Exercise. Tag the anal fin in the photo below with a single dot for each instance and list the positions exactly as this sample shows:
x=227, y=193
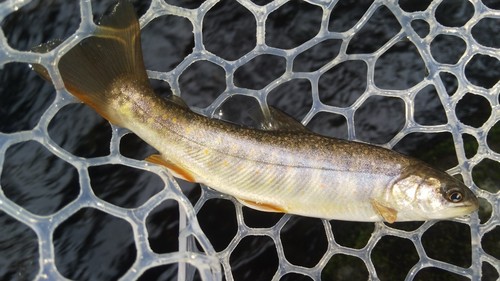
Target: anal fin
x=261, y=206
x=389, y=214
x=176, y=170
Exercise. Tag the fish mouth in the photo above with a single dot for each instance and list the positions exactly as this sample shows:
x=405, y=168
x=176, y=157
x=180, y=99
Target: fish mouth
x=471, y=206
x=474, y=204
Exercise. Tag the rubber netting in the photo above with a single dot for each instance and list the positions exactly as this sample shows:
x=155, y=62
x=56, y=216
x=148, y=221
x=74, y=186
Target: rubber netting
x=77, y=201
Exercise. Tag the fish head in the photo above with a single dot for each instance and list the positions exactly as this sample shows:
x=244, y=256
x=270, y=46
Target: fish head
x=424, y=193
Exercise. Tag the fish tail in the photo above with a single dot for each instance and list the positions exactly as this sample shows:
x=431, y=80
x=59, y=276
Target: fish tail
x=93, y=68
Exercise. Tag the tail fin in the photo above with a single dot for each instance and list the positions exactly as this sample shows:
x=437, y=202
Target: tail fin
x=113, y=52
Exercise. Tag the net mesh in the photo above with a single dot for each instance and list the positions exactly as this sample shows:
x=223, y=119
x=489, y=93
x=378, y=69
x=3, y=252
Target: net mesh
x=386, y=73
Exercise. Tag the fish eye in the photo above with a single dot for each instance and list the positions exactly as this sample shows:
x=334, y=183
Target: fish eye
x=455, y=196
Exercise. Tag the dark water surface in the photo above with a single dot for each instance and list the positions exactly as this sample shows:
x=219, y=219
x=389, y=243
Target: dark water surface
x=93, y=245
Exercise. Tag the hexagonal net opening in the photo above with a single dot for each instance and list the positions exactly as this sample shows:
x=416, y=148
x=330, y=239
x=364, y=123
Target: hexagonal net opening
x=78, y=202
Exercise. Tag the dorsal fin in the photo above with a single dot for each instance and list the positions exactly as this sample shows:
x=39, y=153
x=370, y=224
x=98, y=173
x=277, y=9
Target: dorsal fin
x=278, y=120
x=178, y=100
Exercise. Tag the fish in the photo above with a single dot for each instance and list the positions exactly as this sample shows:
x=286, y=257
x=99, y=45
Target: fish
x=283, y=167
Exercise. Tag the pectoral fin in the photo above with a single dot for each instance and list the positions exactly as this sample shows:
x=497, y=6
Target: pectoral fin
x=261, y=206
x=389, y=214
x=176, y=170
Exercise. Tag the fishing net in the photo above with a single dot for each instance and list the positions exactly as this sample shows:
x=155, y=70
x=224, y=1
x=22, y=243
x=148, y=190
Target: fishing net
x=421, y=77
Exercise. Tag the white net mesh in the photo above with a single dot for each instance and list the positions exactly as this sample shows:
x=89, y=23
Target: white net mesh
x=417, y=76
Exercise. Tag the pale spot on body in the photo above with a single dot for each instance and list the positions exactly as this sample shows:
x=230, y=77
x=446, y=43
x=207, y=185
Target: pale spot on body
x=125, y=109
